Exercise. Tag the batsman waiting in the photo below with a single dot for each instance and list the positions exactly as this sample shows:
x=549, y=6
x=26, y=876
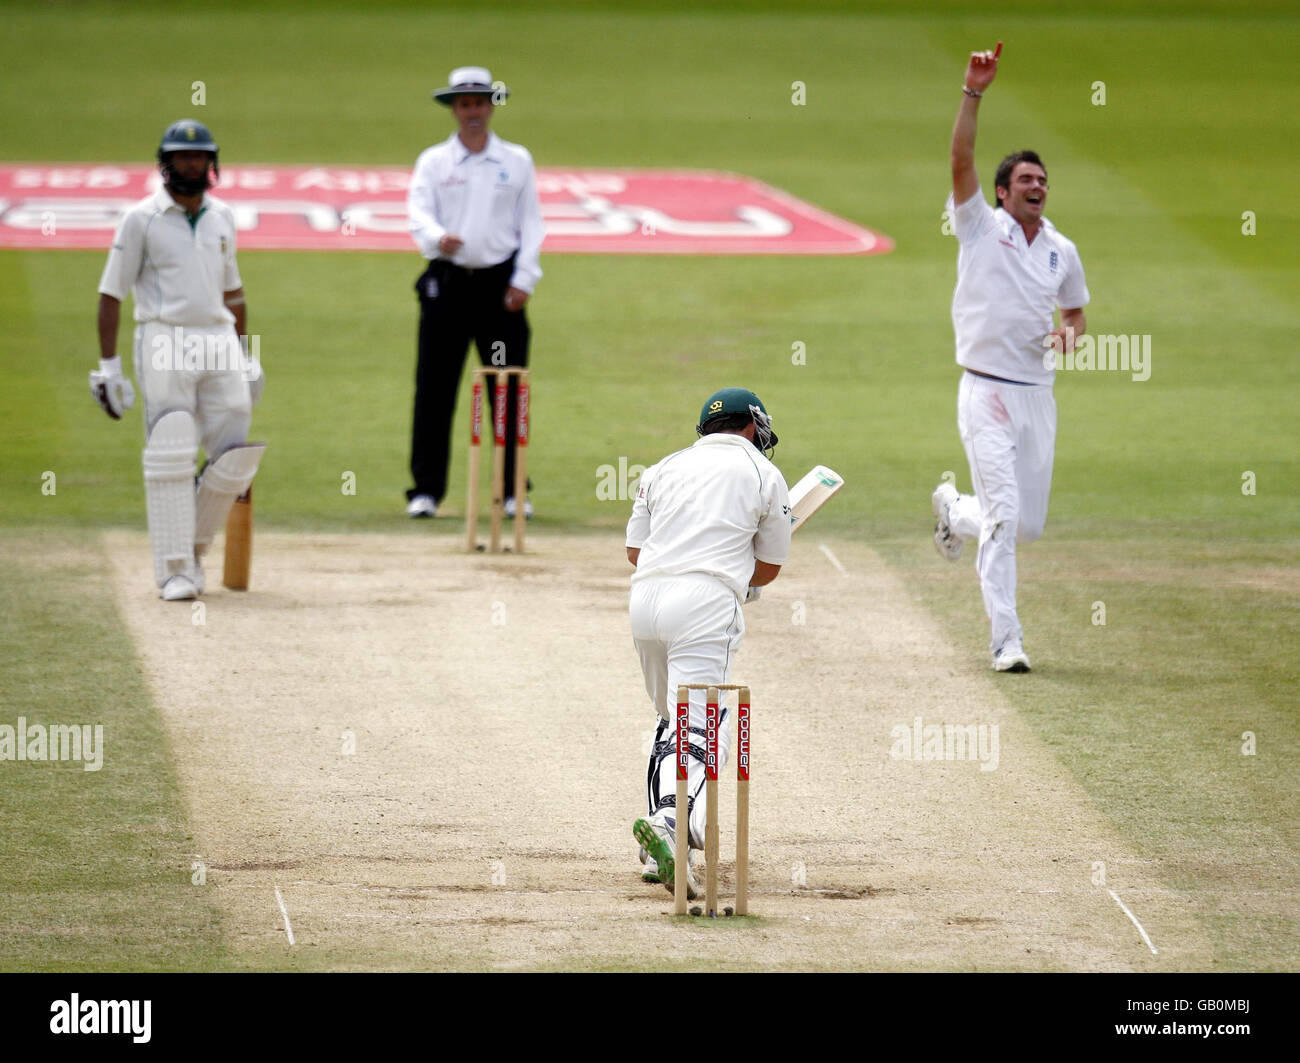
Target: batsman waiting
x=1013, y=271
x=710, y=525
x=175, y=251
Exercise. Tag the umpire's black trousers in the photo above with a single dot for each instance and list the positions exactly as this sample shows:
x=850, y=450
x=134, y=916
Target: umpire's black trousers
x=457, y=305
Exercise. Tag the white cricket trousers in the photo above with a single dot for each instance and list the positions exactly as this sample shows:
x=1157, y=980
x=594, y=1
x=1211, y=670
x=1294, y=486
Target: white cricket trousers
x=1009, y=432
x=686, y=629
x=191, y=369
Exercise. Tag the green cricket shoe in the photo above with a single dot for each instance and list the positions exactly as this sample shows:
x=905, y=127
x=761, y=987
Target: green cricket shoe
x=657, y=840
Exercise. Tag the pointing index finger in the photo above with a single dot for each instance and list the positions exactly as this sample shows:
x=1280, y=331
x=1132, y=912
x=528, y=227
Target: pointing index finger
x=998, y=51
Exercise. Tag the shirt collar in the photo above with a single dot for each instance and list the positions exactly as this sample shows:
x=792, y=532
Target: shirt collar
x=491, y=152
x=1012, y=229
x=725, y=439
x=163, y=201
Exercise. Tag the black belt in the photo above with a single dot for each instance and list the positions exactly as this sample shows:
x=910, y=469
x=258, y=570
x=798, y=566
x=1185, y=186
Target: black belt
x=1000, y=379
x=472, y=271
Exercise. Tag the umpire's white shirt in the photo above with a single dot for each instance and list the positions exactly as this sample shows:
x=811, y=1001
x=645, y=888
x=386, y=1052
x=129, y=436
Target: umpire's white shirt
x=1007, y=289
x=488, y=199
x=178, y=270
x=713, y=508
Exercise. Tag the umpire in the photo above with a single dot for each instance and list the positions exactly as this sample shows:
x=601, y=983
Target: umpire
x=474, y=213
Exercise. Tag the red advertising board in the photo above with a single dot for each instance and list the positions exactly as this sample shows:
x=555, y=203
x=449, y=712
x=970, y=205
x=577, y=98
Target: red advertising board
x=586, y=211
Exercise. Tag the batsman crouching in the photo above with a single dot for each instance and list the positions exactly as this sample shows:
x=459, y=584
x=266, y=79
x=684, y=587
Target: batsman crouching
x=175, y=252
x=710, y=525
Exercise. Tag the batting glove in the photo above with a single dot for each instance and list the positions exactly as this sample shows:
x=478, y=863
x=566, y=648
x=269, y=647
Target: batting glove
x=256, y=380
x=111, y=389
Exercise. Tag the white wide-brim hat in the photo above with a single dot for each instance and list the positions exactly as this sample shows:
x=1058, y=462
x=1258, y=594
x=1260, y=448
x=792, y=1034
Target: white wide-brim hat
x=470, y=81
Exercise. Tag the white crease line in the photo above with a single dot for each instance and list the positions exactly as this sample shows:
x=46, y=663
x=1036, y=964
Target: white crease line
x=450, y=892
x=1124, y=907
x=447, y=891
x=832, y=558
x=284, y=912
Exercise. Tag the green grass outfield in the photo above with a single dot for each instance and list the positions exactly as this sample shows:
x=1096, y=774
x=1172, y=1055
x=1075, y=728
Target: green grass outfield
x=1148, y=514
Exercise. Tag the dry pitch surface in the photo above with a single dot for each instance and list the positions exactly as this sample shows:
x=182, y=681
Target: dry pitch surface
x=500, y=729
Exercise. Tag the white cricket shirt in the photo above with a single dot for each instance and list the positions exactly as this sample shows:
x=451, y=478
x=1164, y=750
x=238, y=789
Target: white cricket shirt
x=1007, y=290
x=488, y=199
x=715, y=507
x=177, y=271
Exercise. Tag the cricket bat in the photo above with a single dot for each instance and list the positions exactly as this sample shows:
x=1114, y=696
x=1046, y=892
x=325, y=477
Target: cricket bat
x=239, y=543
x=811, y=493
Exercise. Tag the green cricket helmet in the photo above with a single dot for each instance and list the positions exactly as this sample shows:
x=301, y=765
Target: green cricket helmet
x=187, y=135
x=736, y=404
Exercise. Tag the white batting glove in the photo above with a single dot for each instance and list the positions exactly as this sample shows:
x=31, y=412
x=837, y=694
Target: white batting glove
x=111, y=389
x=752, y=594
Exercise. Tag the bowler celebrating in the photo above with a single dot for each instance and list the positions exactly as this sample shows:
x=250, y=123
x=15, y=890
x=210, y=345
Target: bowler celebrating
x=1013, y=271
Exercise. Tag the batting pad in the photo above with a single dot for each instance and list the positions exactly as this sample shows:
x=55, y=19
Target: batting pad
x=169, y=460
x=224, y=479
